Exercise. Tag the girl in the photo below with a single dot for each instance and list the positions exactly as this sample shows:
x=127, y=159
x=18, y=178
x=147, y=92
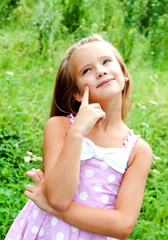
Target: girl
x=95, y=167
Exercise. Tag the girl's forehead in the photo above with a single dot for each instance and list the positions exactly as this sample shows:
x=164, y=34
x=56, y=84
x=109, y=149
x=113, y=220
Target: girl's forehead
x=95, y=47
x=90, y=51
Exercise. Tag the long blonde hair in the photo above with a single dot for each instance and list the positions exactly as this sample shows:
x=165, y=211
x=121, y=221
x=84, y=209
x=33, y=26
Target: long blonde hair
x=65, y=86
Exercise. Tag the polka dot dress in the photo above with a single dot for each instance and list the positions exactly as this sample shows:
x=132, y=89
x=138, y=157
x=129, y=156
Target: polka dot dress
x=101, y=173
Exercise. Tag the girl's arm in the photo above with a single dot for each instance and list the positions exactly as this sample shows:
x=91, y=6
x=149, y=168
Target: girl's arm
x=62, y=152
x=119, y=222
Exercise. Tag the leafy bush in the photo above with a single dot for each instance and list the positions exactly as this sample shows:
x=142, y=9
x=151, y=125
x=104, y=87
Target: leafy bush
x=6, y=7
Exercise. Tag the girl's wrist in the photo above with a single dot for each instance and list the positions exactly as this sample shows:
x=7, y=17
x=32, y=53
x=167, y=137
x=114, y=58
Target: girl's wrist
x=76, y=132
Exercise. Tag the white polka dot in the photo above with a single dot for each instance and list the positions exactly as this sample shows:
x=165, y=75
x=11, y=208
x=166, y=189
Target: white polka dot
x=116, y=190
x=35, y=213
x=60, y=236
x=54, y=221
x=34, y=229
x=83, y=196
x=74, y=229
x=80, y=238
x=103, y=165
x=41, y=233
x=22, y=222
x=19, y=237
x=105, y=198
x=89, y=173
x=98, y=187
x=111, y=178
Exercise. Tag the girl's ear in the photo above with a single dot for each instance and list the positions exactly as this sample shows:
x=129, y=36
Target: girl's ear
x=78, y=96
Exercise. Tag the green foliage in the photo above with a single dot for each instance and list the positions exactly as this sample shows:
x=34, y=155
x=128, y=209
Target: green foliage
x=33, y=38
x=6, y=7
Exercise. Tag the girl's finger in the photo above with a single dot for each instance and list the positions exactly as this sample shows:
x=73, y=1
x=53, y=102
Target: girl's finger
x=30, y=188
x=39, y=173
x=34, y=176
x=85, y=98
x=29, y=195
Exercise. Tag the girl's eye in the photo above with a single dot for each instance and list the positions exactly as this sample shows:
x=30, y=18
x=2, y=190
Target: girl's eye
x=106, y=61
x=85, y=71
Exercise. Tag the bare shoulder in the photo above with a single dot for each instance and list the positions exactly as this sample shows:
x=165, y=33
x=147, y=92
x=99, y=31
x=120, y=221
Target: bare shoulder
x=142, y=147
x=142, y=154
x=58, y=123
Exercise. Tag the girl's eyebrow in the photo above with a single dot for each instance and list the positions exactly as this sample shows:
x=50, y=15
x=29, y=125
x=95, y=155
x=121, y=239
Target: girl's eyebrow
x=83, y=68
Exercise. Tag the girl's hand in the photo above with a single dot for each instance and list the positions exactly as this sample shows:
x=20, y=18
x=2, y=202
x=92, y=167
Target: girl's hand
x=88, y=115
x=36, y=192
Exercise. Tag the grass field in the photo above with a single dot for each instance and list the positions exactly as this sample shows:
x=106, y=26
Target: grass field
x=26, y=85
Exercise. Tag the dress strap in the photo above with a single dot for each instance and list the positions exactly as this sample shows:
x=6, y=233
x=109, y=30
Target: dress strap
x=130, y=142
x=72, y=118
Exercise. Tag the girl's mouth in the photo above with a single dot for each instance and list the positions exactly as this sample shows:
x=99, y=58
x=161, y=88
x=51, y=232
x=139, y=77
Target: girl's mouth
x=105, y=82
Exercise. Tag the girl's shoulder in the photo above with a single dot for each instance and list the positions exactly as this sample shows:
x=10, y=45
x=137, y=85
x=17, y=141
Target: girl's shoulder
x=141, y=152
x=58, y=124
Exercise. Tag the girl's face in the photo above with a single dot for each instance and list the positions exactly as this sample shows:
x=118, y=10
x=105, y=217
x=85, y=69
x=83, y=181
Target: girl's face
x=94, y=65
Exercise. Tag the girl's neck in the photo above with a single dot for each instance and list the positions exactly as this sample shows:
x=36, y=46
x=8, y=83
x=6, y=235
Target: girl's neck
x=113, y=119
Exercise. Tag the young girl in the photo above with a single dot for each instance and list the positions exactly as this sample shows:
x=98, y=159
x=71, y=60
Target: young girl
x=95, y=166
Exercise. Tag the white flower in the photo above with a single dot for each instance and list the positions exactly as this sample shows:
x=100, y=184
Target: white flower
x=27, y=159
x=156, y=158
x=145, y=124
x=155, y=171
x=34, y=158
x=141, y=106
x=40, y=159
x=29, y=153
x=153, y=102
x=9, y=73
x=16, y=145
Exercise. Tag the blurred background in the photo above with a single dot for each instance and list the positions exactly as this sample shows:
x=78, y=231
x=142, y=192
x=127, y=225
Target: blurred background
x=34, y=36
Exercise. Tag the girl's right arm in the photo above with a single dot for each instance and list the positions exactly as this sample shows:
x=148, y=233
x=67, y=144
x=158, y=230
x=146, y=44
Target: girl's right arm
x=62, y=152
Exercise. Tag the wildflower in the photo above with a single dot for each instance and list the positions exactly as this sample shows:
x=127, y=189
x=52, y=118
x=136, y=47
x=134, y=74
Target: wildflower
x=155, y=171
x=141, y=106
x=16, y=145
x=156, y=158
x=40, y=159
x=145, y=124
x=34, y=158
x=153, y=102
x=29, y=153
x=27, y=159
x=9, y=73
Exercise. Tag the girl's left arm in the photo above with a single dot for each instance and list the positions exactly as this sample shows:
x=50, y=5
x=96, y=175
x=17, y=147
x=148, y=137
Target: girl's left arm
x=117, y=223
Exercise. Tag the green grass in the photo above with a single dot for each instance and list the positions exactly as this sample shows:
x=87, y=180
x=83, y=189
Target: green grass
x=26, y=86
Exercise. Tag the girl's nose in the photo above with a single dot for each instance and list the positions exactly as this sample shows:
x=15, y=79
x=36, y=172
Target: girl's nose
x=101, y=73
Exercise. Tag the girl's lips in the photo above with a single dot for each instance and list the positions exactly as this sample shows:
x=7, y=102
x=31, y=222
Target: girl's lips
x=105, y=82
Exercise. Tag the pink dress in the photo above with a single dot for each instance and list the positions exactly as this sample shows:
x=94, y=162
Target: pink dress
x=101, y=173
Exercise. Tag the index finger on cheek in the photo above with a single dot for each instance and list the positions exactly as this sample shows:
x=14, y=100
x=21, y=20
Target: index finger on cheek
x=85, y=98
